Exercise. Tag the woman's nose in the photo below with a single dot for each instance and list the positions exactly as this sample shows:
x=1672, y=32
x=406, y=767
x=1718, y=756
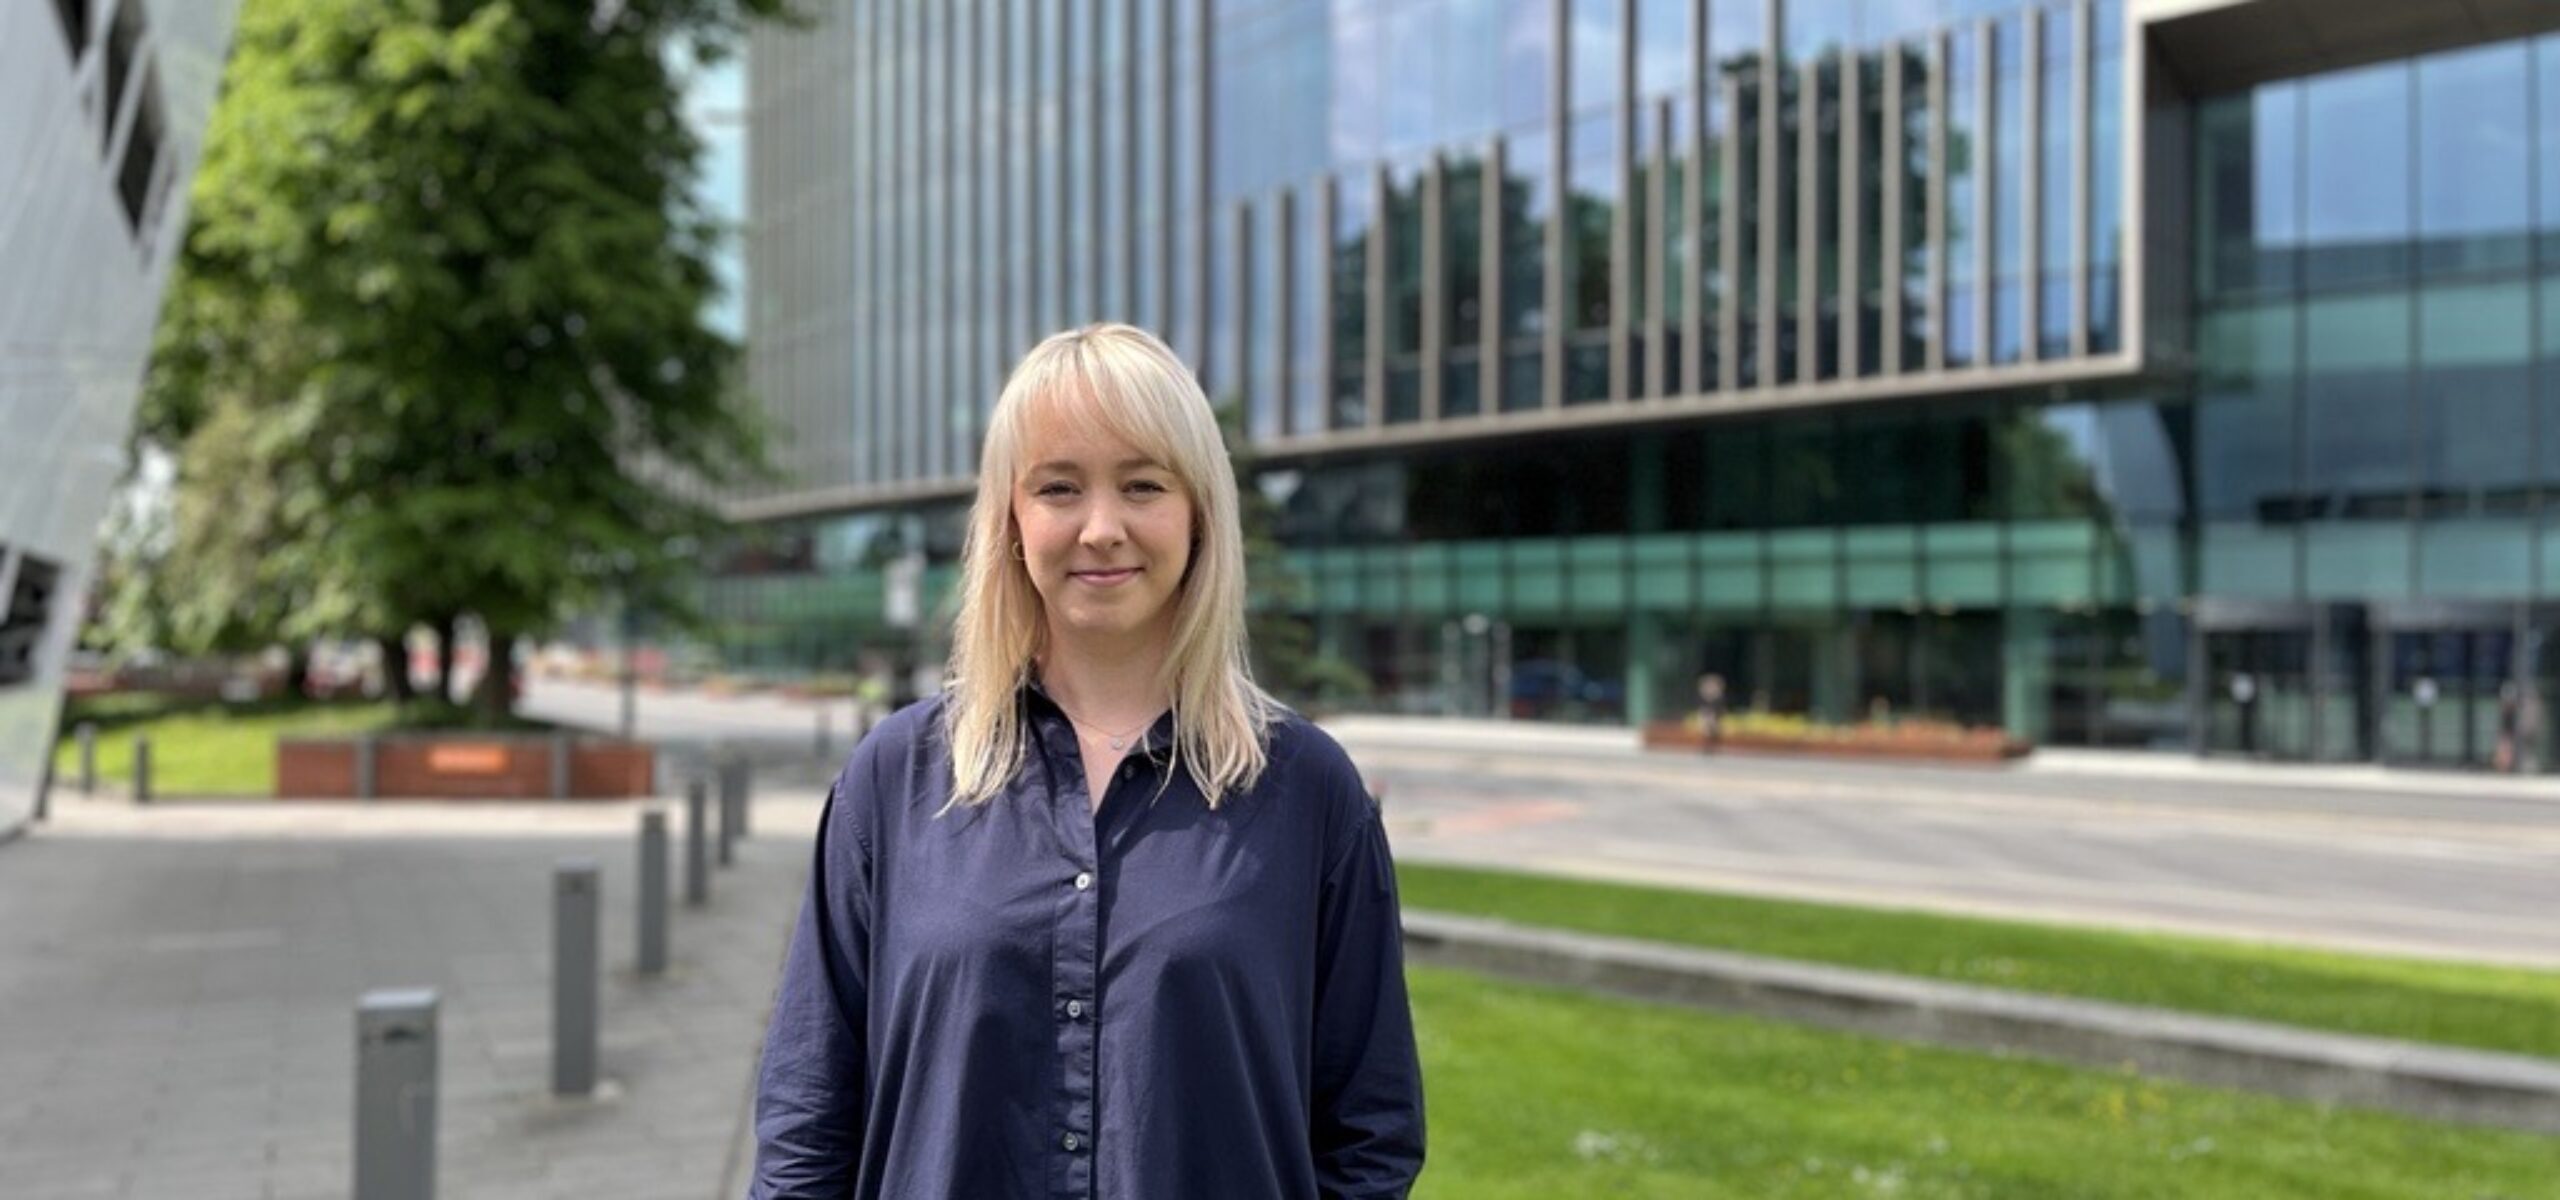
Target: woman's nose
x=1104, y=525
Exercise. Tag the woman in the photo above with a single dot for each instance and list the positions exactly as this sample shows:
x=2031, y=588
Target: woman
x=1103, y=919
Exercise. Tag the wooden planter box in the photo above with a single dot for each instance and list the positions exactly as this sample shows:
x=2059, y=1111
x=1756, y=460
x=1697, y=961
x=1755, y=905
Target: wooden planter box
x=463, y=766
x=1937, y=746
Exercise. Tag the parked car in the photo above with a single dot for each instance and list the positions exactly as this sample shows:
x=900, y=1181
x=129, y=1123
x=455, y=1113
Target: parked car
x=1542, y=687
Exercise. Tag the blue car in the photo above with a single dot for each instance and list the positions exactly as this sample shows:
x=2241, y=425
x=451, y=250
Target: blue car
x=1549, y=687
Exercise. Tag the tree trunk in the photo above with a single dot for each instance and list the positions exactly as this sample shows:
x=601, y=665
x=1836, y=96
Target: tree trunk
x=297, y=673
x=495, y=694
x=444, y=628
x=395, y=668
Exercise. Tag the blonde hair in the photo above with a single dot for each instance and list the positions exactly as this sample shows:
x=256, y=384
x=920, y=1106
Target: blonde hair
x=1123, y=380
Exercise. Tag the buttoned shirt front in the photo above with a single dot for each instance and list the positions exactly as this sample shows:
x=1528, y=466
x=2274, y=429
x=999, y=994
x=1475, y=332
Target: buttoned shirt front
x=1039, y=997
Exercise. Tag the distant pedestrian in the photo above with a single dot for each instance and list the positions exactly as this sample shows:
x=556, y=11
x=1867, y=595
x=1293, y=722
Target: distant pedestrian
x=2510, y=726
x=1711, y=707
x=2529, y=759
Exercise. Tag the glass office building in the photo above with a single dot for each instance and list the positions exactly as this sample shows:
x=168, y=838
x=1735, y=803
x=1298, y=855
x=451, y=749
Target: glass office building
x=103, y=105
x=2121, y=372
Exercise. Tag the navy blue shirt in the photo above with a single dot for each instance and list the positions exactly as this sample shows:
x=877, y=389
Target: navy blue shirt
x=1151, y=1001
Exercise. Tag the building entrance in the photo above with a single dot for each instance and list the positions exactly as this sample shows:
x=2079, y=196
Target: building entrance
x=2441, y=684
x=2277, y=680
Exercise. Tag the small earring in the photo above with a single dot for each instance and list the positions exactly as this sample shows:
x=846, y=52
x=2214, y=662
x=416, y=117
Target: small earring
x=1017, y=553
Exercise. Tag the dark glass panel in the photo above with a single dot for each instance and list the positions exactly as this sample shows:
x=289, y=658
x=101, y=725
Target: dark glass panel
x=1743, y=292
x=1265, y=406
x=1966, y=148
x=1592, y=208
x=1404, y=227
x=1737, y=481
x=1871, y=217
x=1586, y=369
x=1528, y=199
x=2357, y=458
x=2546, y=152
x=1310, y=376
x=2106, y=176
x=1353, y=218
x=2008, y=182
x=2475, y=399
x=1912, y=340
x=1824, y=110
x=2248, y=191
x=1462, y=251
x=2055, y=252
x=1803, y=472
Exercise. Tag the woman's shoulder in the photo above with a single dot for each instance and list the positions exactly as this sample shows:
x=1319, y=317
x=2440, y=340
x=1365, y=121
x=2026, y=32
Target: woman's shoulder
x=1306, y=762
x=893, y=746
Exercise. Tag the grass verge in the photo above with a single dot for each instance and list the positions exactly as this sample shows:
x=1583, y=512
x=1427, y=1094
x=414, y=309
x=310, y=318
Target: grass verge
x=2487, y=1007
x=210, y=748
x=1539, y=1093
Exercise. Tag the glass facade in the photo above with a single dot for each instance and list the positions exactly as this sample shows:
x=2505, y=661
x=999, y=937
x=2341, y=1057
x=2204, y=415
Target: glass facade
x=1542, y=313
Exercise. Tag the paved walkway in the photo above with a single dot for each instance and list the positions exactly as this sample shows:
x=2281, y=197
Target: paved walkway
x=179, y=986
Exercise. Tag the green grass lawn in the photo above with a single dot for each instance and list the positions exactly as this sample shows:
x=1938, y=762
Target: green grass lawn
x=1537, y=1093
x=2493, y=1008
x=208, y=748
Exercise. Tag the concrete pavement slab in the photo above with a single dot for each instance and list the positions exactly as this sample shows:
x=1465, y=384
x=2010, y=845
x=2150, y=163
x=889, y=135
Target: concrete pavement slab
x=183, y=981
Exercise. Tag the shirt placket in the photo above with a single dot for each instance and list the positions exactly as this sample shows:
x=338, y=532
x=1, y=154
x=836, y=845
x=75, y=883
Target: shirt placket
x=1078, y=949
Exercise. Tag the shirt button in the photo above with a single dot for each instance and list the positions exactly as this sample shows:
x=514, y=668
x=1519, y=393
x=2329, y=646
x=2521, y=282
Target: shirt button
x=1075, y=1008
x=1084, y=880
x=1070, y=1141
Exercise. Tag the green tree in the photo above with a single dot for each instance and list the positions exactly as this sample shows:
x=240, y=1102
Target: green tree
x=1286, y=659
x=446, y=274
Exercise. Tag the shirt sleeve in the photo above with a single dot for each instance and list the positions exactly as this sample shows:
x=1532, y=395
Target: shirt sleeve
x=1368, y=1079
x=809, y=1090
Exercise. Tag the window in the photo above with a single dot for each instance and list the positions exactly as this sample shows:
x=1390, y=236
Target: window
x=141, y=154
x=2474, y=179
x=23, y=618
x=74, y=15
x=123, y=39
x=2356, y=164
x=1354, y=213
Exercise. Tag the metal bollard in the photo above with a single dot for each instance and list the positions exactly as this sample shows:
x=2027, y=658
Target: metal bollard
x=560, y=750
x=697, y=843
x=574, y=887
x=368, y=767
x=826, y=734
x=142, y=770
x=653, y=892
x=396, y=1095
x=728, y=775
x=88, y=758
x=746, y=796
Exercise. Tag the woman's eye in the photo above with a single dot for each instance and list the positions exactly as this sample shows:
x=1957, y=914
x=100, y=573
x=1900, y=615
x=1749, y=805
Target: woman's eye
x=1055, y=488
x=1146, y=485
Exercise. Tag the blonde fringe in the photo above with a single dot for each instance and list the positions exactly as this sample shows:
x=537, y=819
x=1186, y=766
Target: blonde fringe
x=1135, y=387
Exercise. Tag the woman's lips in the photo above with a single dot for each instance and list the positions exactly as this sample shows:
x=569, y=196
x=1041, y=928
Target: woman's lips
x=1106, y=578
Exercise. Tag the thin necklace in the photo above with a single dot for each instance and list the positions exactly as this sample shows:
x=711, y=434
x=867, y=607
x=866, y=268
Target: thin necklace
x=1118, y=741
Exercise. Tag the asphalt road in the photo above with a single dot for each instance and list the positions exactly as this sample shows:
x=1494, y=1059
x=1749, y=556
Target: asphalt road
x=2412, y=867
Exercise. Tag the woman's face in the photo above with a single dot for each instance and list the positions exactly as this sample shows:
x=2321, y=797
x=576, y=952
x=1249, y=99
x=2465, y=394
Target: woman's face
x=1106, y=532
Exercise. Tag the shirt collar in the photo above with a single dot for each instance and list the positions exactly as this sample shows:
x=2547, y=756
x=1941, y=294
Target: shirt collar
x=1156, y=746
